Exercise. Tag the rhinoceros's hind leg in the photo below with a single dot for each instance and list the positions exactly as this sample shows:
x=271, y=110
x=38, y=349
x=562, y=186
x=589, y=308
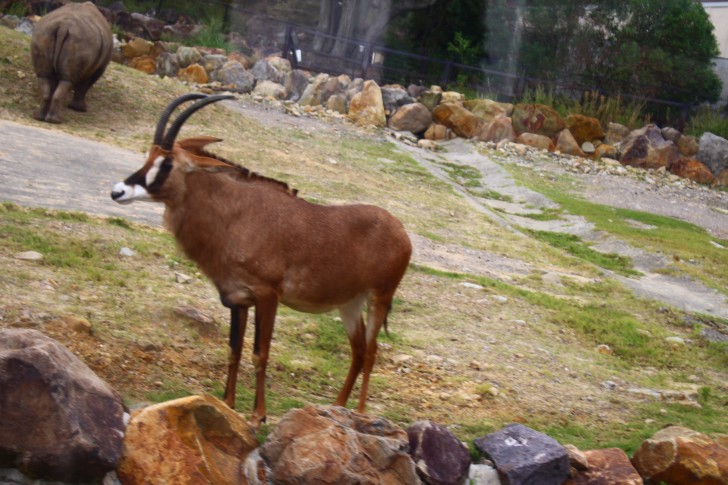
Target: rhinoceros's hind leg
x=61, y=93
x=79, y=91
x=47, y=86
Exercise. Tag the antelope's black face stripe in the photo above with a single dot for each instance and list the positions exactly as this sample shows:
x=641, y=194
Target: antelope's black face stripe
x=157, y=175
x=142, y=184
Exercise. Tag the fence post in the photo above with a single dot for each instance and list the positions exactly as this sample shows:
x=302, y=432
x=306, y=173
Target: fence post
x=288, y=46
x=367, y=61
x=446, y=74
x=226, y=18
x=159, y=7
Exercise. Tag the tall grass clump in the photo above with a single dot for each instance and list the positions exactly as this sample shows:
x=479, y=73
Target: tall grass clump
x=592, y=103
x=707, y=120
x=211, y=34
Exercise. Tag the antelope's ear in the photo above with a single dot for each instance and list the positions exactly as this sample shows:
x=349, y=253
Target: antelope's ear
x=196, y=144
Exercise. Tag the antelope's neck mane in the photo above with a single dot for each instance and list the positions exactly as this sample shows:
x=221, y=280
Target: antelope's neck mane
x=240, y=173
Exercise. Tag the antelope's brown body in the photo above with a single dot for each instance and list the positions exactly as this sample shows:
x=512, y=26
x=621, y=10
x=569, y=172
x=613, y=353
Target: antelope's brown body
x=261, y=245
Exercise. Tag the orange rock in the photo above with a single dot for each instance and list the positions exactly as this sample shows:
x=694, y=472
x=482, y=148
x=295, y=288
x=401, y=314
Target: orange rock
x=501, y=128
x=458, y=119
x=679, y=455
x=537, y=118
x=187, y=441
x=367, y=106
x=144, y=64
x=137, y=47
x=693, y=170
x=567, y=144
x=540, y=142
x=437, y=131
x=584, y=128
x=193, y=73
x=606, y=466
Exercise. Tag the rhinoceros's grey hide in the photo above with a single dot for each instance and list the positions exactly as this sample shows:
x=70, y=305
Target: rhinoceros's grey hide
x=70, y=49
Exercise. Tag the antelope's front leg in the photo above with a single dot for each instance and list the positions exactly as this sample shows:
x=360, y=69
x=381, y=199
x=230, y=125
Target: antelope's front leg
x=238, y=322
x=265, y=315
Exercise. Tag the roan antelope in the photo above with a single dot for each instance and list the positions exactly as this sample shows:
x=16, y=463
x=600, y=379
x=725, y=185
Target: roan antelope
x=260, y=245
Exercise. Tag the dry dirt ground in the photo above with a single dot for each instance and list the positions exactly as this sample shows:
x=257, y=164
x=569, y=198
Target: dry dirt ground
x=495, y=344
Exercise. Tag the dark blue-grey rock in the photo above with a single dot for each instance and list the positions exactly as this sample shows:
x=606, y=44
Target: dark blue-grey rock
x=440, y=457
x=713, y=152
x=394, y=96
x=167, y=65
x=58, y=420
x=523, y=456
x=296, y=83
x=263, y=70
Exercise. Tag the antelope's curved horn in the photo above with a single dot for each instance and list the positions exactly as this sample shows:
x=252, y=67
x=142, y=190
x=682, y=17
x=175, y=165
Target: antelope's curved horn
x=164, y=117
x=177, y=125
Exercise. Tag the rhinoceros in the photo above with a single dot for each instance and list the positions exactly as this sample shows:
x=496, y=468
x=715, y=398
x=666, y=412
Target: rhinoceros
x=70, y=49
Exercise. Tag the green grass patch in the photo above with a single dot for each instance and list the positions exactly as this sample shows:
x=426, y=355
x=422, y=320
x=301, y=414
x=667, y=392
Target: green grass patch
x=578, y=248
x=465, y=175
x=687, y=245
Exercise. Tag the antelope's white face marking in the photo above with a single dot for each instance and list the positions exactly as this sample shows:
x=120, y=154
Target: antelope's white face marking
x=126, y=194
x=141, y=184
x=153, y=170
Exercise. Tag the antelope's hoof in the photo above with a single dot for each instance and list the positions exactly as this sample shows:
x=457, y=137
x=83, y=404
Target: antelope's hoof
x=256, y=421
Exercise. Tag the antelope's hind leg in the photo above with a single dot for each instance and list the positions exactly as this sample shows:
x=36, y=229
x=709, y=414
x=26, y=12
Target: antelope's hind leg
x=351, y=315
x=378, y=309
x=265, y=316
x=238, y=322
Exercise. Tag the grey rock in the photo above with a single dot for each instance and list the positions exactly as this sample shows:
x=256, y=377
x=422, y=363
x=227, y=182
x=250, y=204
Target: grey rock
x=713, y=152
x=167, y=65
x=70, y=405
x=232, y=72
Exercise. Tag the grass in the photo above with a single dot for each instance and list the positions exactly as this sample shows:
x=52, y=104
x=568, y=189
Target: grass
x=576, y=247
x=605, y=109
x=686, y=245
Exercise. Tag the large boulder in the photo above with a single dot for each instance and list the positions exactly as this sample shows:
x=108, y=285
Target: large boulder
x=270, y=89
x=681, y=456
x=713, y=152
x=194, y=73
x=605, y=467
x=568, y=145
x=296, y=82
x=687, y=145
x=263, y=70
x=188, y=56
x=188, y=441
x=646, y=148
x=331, y=445
x=615, y=133
x=167, y=65
x=692, y=169
x=394, y=96
x=539, y=142
x=524, y=456
x=233, y=73
x=366, y=107
x=458, y=119
x=537, y=118
x=440, y=457
x=501, y=128
x=58, y=420
x=312, y=95
x=487, y=109
x=413, y=117
x=584, y=128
